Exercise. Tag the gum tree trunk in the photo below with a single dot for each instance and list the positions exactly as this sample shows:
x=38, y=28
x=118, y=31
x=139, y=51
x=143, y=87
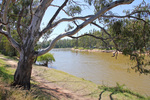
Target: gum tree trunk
x=22, y=75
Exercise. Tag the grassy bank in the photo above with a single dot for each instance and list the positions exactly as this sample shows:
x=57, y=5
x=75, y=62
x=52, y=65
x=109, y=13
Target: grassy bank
x=10, y=93
x=61, y=80
x=87, y=88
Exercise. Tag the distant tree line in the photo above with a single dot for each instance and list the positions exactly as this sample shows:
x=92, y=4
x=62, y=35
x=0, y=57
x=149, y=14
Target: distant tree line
x=130, y=35
x=87, y=42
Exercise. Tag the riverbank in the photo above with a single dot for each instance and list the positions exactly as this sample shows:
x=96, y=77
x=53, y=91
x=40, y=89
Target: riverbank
x=95, y=50
x=52, y=84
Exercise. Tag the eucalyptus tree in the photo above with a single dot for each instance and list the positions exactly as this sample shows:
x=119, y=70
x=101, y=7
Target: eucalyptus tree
x=26, y=16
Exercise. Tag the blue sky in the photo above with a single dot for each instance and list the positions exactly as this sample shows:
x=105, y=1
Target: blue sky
x=61, y=27
x=87, y=11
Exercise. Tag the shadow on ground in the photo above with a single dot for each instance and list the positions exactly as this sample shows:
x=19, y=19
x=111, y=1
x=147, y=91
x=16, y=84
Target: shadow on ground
x=119, y=89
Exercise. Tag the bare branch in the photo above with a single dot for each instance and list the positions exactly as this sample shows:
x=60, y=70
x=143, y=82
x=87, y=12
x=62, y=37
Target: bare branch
x=4, y=23
x=11, y=40
x=61, y=9
x=31, y=10
x=102, y=29
x=91, y=19
x=129, y=16
x=57, y=12
x=48, y=27
x=91, y=35
x=110, y=37
x=53, y=18
x=18, y=23
x=134, y=12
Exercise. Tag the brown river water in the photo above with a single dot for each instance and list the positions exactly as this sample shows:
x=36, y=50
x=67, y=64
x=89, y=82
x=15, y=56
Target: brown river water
x=101, y=68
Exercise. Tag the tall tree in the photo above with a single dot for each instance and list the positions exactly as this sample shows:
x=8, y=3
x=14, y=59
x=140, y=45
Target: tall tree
x=26, y=16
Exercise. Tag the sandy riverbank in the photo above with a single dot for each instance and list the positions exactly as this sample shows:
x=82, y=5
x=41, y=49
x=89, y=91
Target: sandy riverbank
x=95, y=50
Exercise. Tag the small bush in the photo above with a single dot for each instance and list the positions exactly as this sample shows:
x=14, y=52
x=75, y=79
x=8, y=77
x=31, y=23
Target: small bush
x=48, y=57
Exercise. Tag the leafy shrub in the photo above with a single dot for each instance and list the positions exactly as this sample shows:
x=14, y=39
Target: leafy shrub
x=48, y=57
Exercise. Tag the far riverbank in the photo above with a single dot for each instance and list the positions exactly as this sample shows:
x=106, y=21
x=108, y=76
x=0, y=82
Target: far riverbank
x=95, y=50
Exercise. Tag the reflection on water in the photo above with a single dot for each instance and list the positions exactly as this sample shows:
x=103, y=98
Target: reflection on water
x=101, y=68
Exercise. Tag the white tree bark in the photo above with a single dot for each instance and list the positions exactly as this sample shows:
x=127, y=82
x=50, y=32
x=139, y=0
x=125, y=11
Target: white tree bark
x=38, y=15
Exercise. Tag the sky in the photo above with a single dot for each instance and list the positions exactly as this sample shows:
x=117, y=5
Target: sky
x=61, y=27
x=87, y=11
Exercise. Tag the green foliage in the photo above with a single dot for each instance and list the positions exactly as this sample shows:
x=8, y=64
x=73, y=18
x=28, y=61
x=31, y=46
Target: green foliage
x=6, y=48
x=65, y=43
x=16, y=10
x=91, y=42
x=84, y=42
x=117, y=27
x=98, y=4
x=48, y=57
x=73, y=10
x=132, y=38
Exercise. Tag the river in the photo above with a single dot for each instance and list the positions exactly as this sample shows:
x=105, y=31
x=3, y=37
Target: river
x=101, y=68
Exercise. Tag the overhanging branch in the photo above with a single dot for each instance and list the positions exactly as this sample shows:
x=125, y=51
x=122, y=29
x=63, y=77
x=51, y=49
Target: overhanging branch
x=85, y=23
x=91, y=35
x=48, y=27
x=129, y=16
x=58, y=7
x=57, y=12
x=11, y=40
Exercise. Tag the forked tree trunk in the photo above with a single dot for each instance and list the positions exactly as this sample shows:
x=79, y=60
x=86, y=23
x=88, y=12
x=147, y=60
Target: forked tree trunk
x=22, y=75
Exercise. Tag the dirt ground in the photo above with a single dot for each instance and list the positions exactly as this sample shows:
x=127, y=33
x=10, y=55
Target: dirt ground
x=51, y=88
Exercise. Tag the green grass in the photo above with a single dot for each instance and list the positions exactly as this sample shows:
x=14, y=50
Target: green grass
x=86, y=88
x=69, y=82
x=5, y=75
x=9, y=93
